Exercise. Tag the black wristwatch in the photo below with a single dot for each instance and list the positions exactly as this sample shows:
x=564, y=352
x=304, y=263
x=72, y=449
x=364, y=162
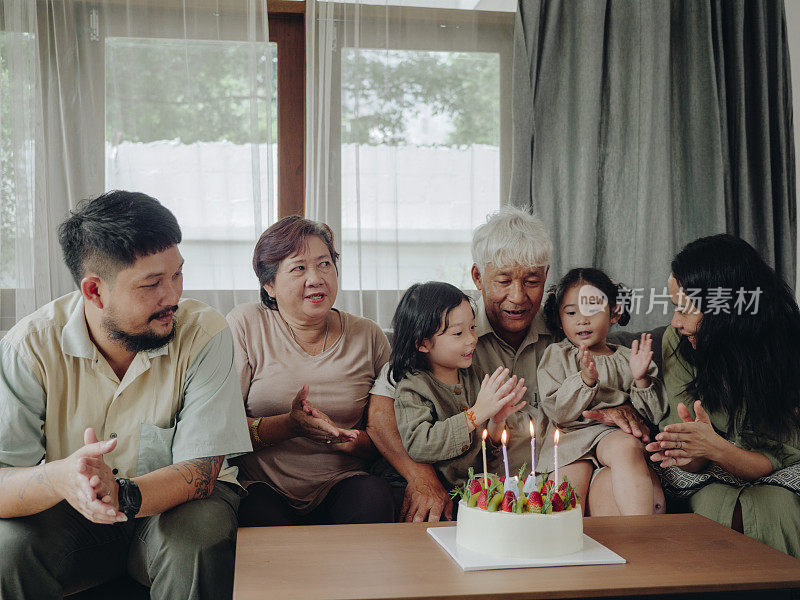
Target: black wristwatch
x=130, y=497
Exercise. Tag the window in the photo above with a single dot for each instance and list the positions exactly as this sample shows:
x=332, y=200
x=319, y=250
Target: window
x=420, y=138
x=187, y=122
x=428, y=147
x=124, y=94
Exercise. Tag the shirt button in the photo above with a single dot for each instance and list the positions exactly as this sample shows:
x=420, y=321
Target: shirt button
x=457, y=390
x=113, y=435
x=115, y=471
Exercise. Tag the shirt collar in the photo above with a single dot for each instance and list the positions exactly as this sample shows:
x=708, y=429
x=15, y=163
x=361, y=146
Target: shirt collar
x=484, y=327
x=75, y=340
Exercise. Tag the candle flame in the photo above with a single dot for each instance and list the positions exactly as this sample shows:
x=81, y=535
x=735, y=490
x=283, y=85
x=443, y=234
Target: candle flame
x=531, y=427
x=555, y=436
x=504, y=437
x=485, y=433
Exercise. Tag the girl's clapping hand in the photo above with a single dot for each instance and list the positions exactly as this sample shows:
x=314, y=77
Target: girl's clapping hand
x=514, y=404
x=495, y=393
x=589, y=369
x=641, y=356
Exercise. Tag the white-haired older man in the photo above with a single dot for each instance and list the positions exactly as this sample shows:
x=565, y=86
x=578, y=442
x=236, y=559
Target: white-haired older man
x=511, y=254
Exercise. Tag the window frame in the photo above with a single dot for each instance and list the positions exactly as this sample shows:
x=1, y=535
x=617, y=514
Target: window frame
x=287, y=30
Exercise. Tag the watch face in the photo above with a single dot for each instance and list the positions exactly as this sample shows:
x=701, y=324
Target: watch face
x=130, y=497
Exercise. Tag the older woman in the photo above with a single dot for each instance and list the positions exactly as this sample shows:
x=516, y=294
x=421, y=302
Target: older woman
x=731, y=357
x=306, y=371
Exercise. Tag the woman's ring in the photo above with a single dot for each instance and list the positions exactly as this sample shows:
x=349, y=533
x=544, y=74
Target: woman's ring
x=327, y=441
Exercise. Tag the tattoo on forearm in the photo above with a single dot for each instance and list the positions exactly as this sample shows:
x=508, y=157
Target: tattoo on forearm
x=39, y=478
x=200, y=474
x=35, y=477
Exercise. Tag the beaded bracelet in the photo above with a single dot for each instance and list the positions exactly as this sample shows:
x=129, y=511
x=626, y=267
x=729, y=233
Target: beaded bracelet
x=471, y=416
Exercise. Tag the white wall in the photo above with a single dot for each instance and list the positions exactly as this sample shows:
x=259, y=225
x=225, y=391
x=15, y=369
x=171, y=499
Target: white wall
x=793, y=31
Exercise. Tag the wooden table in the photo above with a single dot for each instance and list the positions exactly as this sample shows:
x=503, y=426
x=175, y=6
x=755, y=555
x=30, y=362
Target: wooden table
x=666, y=554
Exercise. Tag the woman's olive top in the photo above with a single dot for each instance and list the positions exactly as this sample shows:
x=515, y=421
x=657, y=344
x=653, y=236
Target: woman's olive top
x=770, y=514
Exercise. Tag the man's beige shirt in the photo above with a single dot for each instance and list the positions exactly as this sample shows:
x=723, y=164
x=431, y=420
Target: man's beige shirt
x=176, y=403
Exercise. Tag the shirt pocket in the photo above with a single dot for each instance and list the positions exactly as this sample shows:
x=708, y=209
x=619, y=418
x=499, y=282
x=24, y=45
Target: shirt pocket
x=155, y=448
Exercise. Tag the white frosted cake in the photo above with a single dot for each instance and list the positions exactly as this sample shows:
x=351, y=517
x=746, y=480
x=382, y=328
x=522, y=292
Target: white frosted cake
x=525, y=535
x=529, y=519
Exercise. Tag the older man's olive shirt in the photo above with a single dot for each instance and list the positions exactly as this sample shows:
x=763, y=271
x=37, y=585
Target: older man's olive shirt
x=492, y=352
x=175, y=403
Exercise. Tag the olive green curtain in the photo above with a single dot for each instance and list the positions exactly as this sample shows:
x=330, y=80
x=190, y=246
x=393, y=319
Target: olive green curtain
x=640, y=125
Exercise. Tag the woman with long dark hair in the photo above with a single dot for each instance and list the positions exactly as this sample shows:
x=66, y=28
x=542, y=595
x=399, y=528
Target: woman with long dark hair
x=731, y=359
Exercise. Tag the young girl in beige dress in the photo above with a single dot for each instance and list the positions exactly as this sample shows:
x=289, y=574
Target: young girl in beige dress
x=585, y=372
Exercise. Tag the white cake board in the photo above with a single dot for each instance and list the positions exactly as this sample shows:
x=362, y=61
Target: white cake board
x=593, y=553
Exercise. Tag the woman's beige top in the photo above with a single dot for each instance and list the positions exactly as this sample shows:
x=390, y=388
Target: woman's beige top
x=273, y=368
x=564, y=396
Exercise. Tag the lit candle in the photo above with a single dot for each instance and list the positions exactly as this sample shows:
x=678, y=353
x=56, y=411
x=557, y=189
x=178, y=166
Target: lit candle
x=533, y=454
x=485, y=475
x=555, y=456
x=504, y=439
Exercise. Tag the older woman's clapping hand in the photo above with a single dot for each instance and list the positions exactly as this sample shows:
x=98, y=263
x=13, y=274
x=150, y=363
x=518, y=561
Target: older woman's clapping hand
x=311, y=423
x=358, y=445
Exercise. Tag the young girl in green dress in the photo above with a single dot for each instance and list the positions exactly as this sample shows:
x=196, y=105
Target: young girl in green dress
x=443, y=401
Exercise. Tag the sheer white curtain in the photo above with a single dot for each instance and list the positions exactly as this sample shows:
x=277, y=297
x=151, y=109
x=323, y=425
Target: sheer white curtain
x=408, y=137
x=174, y=99
x=29, y=270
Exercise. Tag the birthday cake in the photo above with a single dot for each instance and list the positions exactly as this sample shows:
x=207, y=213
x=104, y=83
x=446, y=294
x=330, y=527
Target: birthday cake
x=528, y=520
